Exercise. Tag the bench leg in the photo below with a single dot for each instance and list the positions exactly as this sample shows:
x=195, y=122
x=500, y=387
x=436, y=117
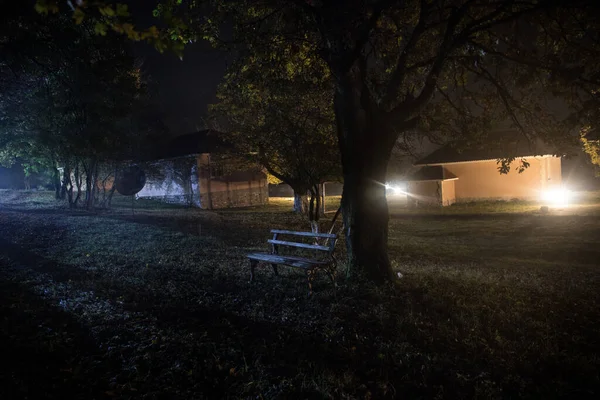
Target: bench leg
x=252, y=266
x=275, y=269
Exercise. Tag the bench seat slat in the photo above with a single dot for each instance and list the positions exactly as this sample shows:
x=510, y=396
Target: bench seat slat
x=302, y=245
x=310, y=234
x=291, y=261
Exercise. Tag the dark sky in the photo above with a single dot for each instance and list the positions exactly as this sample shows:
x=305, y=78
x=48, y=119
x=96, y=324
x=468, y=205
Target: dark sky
x=185, y=87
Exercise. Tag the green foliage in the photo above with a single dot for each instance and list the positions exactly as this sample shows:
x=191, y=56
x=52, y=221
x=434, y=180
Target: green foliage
x=115, y=16
x=73, y=98
x=283, y=120
x=592, y=147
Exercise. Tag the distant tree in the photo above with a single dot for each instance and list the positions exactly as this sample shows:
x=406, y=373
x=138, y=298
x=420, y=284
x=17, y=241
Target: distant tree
x=454, y=68
x=77, y=100
x=284, y=123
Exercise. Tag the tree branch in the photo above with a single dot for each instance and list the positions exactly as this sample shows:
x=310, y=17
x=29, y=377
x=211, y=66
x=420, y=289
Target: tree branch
x=400, y=69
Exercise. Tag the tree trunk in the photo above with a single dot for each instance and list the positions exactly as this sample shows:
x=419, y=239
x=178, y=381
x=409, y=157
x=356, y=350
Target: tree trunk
x=78, y=183
x=366, y=142
x=311, y=207
x=110, y=195
x=67, y=188
x=57, y=185
x=366, y=217
x=298, y=203
x=317, y=202
x=91, y=172
x=113, y=188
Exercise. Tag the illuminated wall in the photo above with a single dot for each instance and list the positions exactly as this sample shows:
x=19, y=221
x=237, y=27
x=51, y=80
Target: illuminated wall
x=479, y=180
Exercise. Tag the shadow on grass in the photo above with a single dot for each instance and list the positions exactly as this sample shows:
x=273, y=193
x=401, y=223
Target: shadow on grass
x=184, y=220
x=46, y=353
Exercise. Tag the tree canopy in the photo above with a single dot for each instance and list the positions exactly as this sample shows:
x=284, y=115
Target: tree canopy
x=71, y=98
x=285, y=123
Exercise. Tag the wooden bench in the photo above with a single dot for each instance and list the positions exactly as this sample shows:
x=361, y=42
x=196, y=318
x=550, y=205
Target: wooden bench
x=327, y=263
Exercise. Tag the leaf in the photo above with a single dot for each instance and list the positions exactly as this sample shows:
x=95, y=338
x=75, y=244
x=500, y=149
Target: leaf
x=78, y=16
x=107, y=11
x=42, y=7
x=100, y=29
x=122, y=10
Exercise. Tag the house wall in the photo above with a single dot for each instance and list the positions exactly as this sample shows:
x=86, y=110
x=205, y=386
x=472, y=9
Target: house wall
x=241, y=189
x=555, y=168
x=480, y=180
x=172, y=181
x=424, y=193
x=189, y=180
x=448, y=192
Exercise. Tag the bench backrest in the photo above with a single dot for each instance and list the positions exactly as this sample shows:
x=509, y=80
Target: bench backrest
x=332, y=238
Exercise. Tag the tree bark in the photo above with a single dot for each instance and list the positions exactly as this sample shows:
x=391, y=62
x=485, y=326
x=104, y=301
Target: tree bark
x=91, y=173
x=366, y=217
x=78, y=183
x=67, y=188
x=366, y=142
x=110, y=195
x=298, y=203
x=57, y=185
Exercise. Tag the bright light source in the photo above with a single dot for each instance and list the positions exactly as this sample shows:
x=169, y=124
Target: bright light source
x=396, y=188
x=556, y=196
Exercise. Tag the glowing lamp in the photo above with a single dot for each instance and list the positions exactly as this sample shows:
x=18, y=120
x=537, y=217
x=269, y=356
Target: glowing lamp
x=556, y=196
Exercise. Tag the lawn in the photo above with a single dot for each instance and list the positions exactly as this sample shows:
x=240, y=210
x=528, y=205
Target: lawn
x=495, y=301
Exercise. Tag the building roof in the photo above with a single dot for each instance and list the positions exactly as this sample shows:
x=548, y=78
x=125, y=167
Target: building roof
x=205, y=141
x=432, y=173
x=457, y=152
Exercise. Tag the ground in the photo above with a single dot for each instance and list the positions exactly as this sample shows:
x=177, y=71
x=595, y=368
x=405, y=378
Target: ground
x=496, y=300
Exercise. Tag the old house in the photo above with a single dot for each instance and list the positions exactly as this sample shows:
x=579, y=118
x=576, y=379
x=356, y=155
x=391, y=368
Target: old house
x=200, y=169
x=451, y=174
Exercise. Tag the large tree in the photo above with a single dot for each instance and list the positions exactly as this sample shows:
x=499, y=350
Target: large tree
x=284, y=123
x=453, y=66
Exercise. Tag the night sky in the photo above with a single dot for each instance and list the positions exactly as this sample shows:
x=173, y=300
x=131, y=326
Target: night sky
x=185, y=87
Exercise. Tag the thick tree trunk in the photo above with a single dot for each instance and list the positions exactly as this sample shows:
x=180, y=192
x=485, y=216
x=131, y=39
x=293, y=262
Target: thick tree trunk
x=366, y=143
x=366, y=217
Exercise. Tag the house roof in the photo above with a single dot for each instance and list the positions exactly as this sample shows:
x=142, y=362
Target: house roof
x=432, y=173
x=458, y=152
x=205, y=141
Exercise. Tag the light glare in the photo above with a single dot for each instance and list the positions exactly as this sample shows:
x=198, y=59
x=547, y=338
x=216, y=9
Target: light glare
x=556, y=197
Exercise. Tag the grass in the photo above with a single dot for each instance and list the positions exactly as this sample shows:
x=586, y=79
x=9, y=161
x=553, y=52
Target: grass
x=496, y=301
